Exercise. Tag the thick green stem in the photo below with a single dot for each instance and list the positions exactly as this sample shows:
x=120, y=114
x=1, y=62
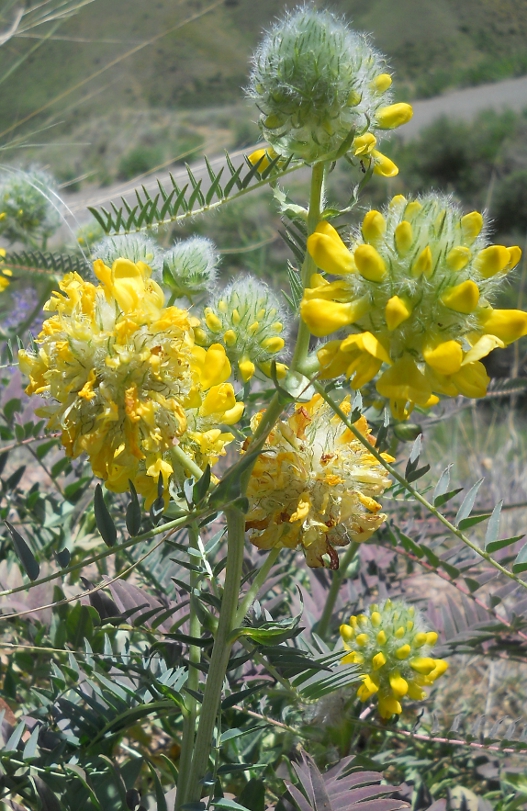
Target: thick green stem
x=189, y=464
x=220, y=653
x=309, y=267
x=189, y=721
x=337, y=579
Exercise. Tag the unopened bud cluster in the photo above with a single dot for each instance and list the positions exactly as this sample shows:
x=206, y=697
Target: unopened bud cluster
x=190, y=267
x=248, y=320
x=28, y=208
x=414, y=292
x=320, y=88
x=134, y=247
x=391, y=643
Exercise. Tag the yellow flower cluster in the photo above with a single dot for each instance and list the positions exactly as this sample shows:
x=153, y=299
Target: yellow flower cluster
x=414, y=292
x=5, y=273
x=314, y=485
x=391, y=644
x=128, y=383
x=248, y=319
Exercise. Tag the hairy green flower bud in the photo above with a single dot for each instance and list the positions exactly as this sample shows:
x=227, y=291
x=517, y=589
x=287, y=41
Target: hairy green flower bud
x=29, y=207
x=320, y=86
x=134, y=247
x=248, y=319
x=190, y=267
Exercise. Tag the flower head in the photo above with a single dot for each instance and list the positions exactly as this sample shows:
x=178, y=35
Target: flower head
x=248, y=319
x=5, y=273
x=135, y=247
x=414, y=293
x=314, y=485
x=90, y=233
x=392, y=645
x=190, y=267
x=27, y=207
x=127, y=382
x=321, y=87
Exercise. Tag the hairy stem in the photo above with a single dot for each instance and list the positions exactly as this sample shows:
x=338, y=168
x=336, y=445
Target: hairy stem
x=220, y=653
x=189, y=721
x=309, y=267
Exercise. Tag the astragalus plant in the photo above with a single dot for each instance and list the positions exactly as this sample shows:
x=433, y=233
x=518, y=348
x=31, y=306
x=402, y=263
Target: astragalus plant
x=225, y=521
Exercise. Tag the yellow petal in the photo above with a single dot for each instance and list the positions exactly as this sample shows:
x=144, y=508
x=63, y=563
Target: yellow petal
x=515, y=254
x=415, y=692
x=330, y=254
x=382, y=82
x=388, y=706
x=382, y=165
x=232, y=415
x=247, y=369
x=404, y=381
x=324, y=317
x=509, y=325
x=363, y=144
x=458, y=257
x=398, y=684
x=431, y=638
x=218, y=399
x=440, y=667
x=212, y=321
x=445, y=358
x=482, y=348
x=381, y=638
x=366, y=342
x=376, y=619
x=413, y=207
x=347, y=633
x=492, y=260
x=471, y=225
x=395, y=312
x=373, y=226
x=273, y=344
x=472, y=380
x=423, y=665
x=403, y=237
x=403, y=652
x=378, y=661
x=423, y=263
x=370, y=263
x=463, y=298
x=395, y=115
x=212, y=365
x=419, y=640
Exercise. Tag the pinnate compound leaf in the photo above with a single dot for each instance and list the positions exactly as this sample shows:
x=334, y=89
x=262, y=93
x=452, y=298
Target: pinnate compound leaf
x=103, y=518
x=24, y=553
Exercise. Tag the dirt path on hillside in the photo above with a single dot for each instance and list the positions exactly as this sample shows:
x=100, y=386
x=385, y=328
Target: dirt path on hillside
x=464, y=104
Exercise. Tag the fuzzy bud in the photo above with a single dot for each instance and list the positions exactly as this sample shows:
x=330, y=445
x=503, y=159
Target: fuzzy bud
x=28, y=206
x=134, y=247
x=190, y=267
x=319, y=84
